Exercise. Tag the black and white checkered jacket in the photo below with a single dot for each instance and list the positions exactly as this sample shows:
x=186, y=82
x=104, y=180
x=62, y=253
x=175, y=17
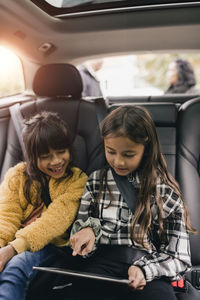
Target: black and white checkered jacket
x=172, y=258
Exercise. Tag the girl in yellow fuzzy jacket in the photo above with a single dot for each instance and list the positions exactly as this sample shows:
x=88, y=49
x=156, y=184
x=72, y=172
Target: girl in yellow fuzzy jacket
x=39, y=200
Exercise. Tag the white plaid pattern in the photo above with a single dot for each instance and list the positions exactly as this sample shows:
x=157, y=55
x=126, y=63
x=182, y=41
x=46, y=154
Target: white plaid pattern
x=173, y=257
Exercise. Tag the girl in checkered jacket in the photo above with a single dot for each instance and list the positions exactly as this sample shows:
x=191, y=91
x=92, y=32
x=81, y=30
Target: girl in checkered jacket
x=143, y=238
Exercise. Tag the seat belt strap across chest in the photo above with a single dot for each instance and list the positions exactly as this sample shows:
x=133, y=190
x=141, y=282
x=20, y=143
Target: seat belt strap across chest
x=18, y=121
x=127, y=190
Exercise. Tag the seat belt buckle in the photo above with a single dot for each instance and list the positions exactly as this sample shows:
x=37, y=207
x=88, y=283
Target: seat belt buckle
x=179, y=285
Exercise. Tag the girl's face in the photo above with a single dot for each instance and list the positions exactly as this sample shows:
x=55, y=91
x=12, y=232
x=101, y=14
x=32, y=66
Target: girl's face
x=54, y=163
x=122, y=154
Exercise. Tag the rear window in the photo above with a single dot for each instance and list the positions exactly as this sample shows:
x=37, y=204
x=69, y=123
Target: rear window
x=11, y=73
x=142, y=74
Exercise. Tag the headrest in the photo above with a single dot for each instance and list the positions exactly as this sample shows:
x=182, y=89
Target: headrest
x=58, y=80
x=163, y=114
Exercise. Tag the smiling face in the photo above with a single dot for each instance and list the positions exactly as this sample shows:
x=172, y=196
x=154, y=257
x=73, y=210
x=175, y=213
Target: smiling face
x=54, y=163
x=122, y=154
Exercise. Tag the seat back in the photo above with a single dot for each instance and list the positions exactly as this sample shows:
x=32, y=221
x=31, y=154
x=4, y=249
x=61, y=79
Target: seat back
x=169, y=98
x=88, y=143
x=58, y=88
x=188, y=176
x=4, y=121
x=188, y=166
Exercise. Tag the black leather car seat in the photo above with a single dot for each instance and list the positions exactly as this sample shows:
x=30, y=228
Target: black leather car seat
x=58, y=88
x=188, y=176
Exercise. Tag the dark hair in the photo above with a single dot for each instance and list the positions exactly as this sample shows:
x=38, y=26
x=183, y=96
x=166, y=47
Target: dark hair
x=40, y=133
x=136, y=123
x=185, y=72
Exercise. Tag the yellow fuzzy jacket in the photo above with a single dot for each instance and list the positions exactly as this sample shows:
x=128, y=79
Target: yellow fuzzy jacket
x=51, y=226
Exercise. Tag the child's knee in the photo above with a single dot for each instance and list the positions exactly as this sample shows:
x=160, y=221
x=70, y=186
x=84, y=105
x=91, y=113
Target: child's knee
x=20, y=264
x=17, y=262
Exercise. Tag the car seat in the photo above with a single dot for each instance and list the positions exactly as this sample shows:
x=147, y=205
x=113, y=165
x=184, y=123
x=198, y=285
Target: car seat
x=188, y=176
x=58, y=88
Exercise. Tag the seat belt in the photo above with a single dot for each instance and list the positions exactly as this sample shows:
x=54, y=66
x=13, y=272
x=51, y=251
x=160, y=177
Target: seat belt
x=18, y=121
x=45, y=196
x=127, y=190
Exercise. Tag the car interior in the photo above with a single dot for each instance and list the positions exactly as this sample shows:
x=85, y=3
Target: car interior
x=51, y=41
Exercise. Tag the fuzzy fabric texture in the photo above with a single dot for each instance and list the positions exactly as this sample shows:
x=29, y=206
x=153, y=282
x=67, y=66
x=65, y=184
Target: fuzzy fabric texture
x=51, y=226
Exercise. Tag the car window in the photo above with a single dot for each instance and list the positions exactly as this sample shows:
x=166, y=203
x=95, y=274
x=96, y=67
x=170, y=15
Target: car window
x=136, y=75
x=11, y=73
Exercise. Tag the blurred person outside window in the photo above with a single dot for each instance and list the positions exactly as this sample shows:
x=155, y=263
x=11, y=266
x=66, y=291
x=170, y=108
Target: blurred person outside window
x=91, y=83
x=181, y=78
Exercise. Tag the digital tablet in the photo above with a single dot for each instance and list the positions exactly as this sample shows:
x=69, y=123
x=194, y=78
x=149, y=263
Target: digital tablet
x=83, y=275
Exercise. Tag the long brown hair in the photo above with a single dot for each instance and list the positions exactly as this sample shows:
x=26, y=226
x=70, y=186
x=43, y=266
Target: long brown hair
x=40, y=133
x=136, y=123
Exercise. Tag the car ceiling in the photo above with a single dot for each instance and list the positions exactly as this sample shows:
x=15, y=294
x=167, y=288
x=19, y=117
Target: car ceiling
x=25, y=28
